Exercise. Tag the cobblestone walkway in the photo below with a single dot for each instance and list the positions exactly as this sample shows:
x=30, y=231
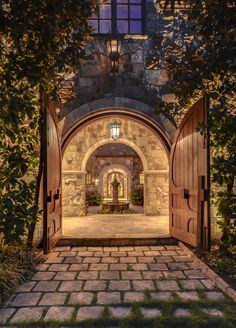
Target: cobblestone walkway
x=85, y=282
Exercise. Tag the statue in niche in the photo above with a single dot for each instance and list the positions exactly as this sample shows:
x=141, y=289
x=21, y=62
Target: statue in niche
x=115, y=191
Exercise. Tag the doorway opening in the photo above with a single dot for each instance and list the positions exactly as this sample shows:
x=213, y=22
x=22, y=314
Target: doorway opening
x=91, y=162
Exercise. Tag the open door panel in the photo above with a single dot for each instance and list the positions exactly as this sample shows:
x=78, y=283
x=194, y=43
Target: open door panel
x=189, y=179
x=52, y=180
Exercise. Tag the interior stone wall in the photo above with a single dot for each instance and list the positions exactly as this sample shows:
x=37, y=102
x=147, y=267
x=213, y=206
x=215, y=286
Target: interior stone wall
x=132, y=133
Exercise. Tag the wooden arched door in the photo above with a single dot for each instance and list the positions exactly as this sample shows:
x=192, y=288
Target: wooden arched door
x=189, y=179
x=52, y=179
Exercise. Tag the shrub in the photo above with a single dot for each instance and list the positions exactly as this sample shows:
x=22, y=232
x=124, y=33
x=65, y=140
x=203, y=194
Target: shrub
x=16, y=265
x=136, y=196
x=93, y=198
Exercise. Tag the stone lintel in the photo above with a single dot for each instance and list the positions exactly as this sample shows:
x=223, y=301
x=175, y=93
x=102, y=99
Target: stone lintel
x=73, y=172
x=156, y=172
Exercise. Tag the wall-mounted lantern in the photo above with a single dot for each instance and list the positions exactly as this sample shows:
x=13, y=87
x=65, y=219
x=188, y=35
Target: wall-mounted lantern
x=115, y=129
x=114, y=54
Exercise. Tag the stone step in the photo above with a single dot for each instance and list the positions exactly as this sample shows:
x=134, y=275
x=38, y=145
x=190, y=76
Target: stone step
x=151, y=241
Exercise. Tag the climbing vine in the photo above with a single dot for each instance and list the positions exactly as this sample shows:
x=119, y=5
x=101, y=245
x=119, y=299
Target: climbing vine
x=200, y=59
x=40, y=43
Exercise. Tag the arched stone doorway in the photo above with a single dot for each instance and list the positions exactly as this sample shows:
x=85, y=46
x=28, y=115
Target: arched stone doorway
x=134, y=133
x=108, y=174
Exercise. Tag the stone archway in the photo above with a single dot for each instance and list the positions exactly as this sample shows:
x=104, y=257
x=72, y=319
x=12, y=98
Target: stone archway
x=136, y=135
x=104, y=177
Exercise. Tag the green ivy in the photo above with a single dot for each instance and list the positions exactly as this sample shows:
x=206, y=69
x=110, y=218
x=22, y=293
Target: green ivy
x=93, y=198
x=205, y=64
x=40, y=42
x=136, y=196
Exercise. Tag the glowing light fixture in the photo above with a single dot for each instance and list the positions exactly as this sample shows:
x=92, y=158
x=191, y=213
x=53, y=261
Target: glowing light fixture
x=114, y=54
x=115, y=129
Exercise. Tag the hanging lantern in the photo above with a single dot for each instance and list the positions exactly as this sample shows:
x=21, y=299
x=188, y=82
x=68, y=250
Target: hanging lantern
x=115, y=129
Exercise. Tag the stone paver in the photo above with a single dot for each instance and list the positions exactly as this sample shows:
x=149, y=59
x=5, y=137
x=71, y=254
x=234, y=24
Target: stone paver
x=108, y=298
x=158, y=267
x=43, y=276
x=58, y=267
x=65, y=276
x=5, y=314
x=191, y=284
x=131, y=275
x=162, y=296
x=46, y=286
x=120, y=312
x=188, y=296
x=182, y=313
x=91, y=260
x=139, y=267
x=215, y=296
x=174, y=274
x=81, y=298
x=95, y=285
x=100, y=266
x=209, y=284
x=119, y=285
x=109, y=260
x=59, y=313
x=53, y=299
x=70, y=286
x=26, y=299
x=26, y=287
x=147, y=259
x=27, y=314
x=152, y=274
x=42, y=267
x=167, y=285
x=128, y=259
x=195, y=274
x=73, y=260
x=78, y=267
x=118, y=266
x=143, y=285
x=214, y=312
x=131, y=297
x=150, y=313
x=55, y=260
x=85, y=279
x=109, y=275
x=89, y=312
x=84, y=275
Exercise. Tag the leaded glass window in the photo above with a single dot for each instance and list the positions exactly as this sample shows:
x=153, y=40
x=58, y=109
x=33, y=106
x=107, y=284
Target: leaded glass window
x=119, y=17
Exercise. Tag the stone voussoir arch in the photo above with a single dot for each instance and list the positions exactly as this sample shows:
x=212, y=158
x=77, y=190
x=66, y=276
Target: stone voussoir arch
x=111, y=141
x=110, y=106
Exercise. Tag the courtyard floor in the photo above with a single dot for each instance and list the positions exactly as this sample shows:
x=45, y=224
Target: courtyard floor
x=115, y=226
x=142, y=286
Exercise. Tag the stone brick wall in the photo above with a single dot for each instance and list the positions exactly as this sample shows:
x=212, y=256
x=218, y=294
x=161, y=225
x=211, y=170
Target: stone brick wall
x=137, y=78
x=135, y=135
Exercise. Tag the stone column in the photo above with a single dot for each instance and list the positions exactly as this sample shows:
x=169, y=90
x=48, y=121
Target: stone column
x=73, y=193
x=156, y=192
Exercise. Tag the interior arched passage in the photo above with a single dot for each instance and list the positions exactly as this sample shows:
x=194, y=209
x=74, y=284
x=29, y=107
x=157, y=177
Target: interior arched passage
x=133, y=133
x=104, y=181
x=111, y=141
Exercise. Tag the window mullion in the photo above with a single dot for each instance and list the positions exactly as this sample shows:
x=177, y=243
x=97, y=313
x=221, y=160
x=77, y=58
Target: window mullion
x=113, y=17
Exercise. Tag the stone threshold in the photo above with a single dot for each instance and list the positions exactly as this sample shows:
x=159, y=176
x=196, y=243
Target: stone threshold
x=135, y=241
x=220, y=283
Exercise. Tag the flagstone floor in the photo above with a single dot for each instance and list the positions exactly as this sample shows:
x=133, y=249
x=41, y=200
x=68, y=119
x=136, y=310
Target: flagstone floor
x=80, y=283
x=115, y=226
